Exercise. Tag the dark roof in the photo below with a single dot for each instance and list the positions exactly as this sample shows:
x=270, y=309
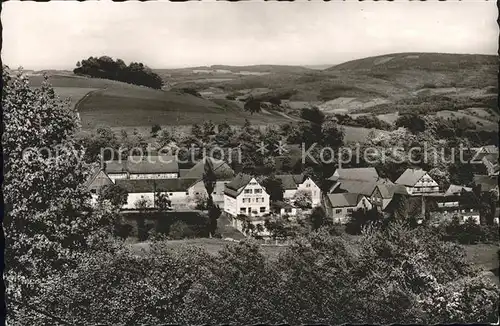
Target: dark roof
x=115, y=167
x=99, y=180
x=221, y=169
x=281, y=204
x=456, y=189
x=183, y=172
x=386, y=190
x=357, y=187
x=233, y=188
x=159, y=185
x=400, y=190
x=361, y=174
x=290, y=181
x=410, y=177
x=144, y=164
x=486, y=182
x=343, y=200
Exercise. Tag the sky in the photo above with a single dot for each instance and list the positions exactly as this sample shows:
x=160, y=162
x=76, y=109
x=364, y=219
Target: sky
x=57, y=34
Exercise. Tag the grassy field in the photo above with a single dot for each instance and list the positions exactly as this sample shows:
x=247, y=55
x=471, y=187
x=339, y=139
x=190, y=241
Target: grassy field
x=145, y=107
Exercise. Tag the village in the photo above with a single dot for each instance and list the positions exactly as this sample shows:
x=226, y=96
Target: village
x=246, y=202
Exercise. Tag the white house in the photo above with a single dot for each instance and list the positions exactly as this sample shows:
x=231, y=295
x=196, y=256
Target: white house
x=382, y=195
x=176, y=189
x=245, y=196
x=284, y=208
x=339, y=206
x=293, y=183
x=223, y=173
x=417, y=182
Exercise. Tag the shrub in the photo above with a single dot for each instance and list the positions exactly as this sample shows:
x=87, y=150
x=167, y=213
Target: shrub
x=180, y=230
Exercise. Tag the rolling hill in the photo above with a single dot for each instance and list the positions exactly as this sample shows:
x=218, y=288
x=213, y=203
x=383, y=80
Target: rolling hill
x=117, y=104
x=386, y=85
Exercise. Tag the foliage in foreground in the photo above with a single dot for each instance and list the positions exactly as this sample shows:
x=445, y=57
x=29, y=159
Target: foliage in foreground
x=395, y=275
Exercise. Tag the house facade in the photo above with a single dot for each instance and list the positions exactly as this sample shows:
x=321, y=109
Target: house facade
x=294, y=183
x=175, y=189
x=417, y=182
x=340, y=206
x=245, y=196
x=382, y=196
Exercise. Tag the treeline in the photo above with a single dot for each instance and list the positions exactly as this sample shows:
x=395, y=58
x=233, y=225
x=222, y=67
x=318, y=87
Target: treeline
x=105, y=67
x=398, y=275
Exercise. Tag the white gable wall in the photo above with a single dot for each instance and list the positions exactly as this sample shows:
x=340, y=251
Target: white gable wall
x=309, y=185
x=253, y=200
x=341, y=214
x=425, y=185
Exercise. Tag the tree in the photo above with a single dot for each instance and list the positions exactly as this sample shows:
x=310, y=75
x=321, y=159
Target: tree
x=412, y=122
x=164, y=138
x=318, y=218
x=155, y=129
x=314, y=115
x=142, y=204
x=332, y=134
x=274, y=187
x=197, y=131
x=105, y=67
x=48, y=219
x=252, y=105
x=163, y=202
x=116, y=195
x=208, y=129
x=209, y=180
x=361, y=218
x=303, y=199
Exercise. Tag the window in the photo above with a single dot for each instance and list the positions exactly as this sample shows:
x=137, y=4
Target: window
x=243, y=210
x=308, y=185
x=187, y=192
x=93, y=191
x=253, y=183
x=197, y=193
x=248, y=191
x=214, y=193
x=349, y=210
x=170, y=194
x=288, y=210
x=257, y=191
x=262, y=209
x=338, y=211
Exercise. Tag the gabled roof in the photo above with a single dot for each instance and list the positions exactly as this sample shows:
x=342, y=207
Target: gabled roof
x=291, y=181
x=234, y=187
x=344, y=200
x=410, y=177
x=99, y=180
x=159, y=185
x=488, y=149
x=456, y=190
x=144, y=164
x=357, y=187
x=221, y=169
x=361, y=174
x=486, y=182
x=386, y=190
